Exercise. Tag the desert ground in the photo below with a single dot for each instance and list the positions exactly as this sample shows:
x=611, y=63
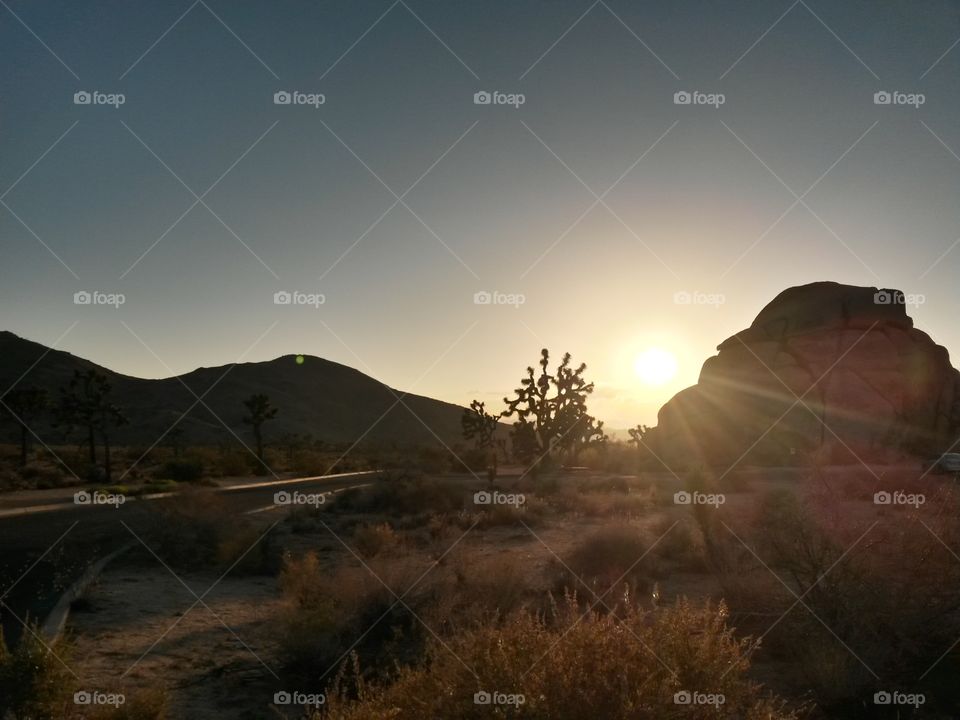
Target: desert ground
x=216, y=609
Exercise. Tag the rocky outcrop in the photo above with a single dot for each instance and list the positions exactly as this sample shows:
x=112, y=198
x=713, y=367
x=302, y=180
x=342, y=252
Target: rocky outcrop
x=826, y=370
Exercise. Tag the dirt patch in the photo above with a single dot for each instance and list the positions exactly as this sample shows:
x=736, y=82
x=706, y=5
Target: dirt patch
x=134, y=629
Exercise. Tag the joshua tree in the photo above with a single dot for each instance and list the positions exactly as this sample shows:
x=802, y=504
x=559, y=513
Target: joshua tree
x=85, y=403
x=175, y=440
x=22, y=406
x=259, y=411
x=638, y=434
x=480, y=426
x=551, y=412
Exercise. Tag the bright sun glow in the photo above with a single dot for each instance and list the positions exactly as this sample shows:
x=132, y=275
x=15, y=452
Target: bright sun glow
x=655, y=366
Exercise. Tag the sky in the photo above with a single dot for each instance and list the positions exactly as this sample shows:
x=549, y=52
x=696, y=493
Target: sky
x=586, y=199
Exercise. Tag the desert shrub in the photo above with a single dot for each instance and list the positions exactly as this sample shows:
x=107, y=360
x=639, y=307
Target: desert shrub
x=30, y=471
x=889, y=591
x=326, y=615
x=197, y=529
x=370, y=540
x=181, y=470
x=44, y=476
x=34, y=682
x=310, y=463
x=497, y=584
x=601, y=504
x=436, y=460
x=567, y=668
x=144, y=705
x=613, y=457
x=233, y=463
x=474, y=458
x=734, y=481
x=530, y=513
x=417, y=497
x=609, y=559
x=680, y=542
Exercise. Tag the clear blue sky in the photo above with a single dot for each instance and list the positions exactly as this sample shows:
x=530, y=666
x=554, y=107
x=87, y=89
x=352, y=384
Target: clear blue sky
x=509, y=199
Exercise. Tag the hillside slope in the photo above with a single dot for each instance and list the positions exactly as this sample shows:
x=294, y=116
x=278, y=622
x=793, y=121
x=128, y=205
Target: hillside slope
x=329, y=401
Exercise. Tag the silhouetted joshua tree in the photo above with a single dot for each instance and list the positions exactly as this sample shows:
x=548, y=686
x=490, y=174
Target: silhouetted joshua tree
x=638, y=434
x=175, y=440
x=259, y=411
x=85, y=403
x=551, y=410
x=22, y=405
x=480, y=426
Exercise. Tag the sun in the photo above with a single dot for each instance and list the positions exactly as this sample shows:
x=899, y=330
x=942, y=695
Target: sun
x=655, y=366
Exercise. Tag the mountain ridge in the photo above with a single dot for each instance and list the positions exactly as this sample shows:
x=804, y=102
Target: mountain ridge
x=330, y=401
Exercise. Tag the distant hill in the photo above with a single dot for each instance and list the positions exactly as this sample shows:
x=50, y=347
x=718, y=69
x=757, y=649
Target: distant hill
x=331, y=402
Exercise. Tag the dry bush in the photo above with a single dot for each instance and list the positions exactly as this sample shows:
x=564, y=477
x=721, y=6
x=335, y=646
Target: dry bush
x=197, y=529
x=496, y=584
x=680, y=542
x=598, y=667
x=889, y=591
x=530, y=513
x=149, y=704
x=589, y=499
x=371, y=540
x=328, y=613
x=613, y=457
x=234, y=463
x=413, y=497
x=610, y=559
x=34, y=683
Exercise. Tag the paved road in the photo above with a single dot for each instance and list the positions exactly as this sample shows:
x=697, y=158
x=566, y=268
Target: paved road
x=45, y=547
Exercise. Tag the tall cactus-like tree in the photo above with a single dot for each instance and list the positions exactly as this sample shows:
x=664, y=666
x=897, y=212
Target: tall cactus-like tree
x=638, y=435
x=551, y=412
x=480, y=426
x=85, y=403
x=22, y=406
x=259, y=411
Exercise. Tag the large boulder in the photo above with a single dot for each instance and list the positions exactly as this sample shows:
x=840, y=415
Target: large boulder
x=826, y=370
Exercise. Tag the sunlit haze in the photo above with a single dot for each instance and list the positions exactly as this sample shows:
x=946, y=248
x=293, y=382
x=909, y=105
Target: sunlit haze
x=601, y=217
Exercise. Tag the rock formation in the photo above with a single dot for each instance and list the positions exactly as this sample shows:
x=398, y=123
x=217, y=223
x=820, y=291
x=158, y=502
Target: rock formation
x=826, y=371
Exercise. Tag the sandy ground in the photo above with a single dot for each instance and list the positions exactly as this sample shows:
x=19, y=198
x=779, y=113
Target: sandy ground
x=134, y=631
